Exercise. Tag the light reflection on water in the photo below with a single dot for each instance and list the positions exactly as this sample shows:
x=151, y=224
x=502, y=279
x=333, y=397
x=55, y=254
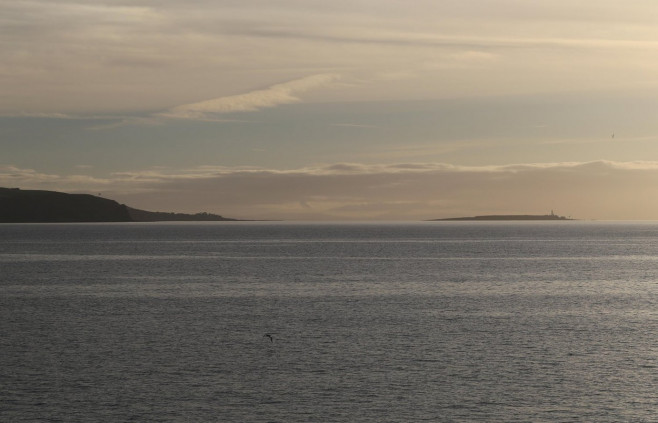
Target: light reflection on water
x=389, y=322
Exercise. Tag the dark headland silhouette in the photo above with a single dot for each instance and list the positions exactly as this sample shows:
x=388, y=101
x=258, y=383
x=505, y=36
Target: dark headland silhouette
x=551, y=216
x=34, y=206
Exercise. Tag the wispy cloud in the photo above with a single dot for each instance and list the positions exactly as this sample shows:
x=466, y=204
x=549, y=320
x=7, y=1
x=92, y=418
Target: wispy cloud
x=353, y=125
x=275, y=95
x=217, y=109
x=416, y=39
x=64, y=56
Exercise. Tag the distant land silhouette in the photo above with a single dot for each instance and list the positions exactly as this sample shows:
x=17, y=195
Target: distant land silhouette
x=34, y=206
x=551, y=216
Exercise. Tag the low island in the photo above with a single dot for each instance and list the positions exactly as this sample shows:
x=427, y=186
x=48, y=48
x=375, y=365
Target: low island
x=36, y=206
x=507, y=217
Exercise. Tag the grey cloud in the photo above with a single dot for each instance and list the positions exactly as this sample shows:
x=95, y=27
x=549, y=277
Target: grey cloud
x=604, y=190
x=353, y=191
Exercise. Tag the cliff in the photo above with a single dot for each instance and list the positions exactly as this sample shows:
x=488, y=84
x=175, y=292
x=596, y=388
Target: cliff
x=32, y=206
x=147, y=216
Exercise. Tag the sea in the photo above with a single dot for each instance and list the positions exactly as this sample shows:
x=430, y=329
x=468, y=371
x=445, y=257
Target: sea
x=329, y=322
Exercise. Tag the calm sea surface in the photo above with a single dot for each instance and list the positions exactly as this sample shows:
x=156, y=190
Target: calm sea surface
x=432, y=321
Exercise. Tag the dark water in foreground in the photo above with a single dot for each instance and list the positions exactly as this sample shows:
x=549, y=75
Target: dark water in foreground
x=551, y=321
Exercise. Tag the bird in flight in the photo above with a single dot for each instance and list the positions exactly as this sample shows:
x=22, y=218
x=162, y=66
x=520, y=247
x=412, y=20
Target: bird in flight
x=269, y=336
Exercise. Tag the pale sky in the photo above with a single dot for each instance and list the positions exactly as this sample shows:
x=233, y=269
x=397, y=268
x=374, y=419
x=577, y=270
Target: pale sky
x=360, y=109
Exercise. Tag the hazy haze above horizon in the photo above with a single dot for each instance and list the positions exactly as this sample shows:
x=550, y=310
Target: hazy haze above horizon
x=335, y=110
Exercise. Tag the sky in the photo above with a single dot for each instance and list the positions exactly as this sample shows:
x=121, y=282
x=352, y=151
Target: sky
x=341, y=110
